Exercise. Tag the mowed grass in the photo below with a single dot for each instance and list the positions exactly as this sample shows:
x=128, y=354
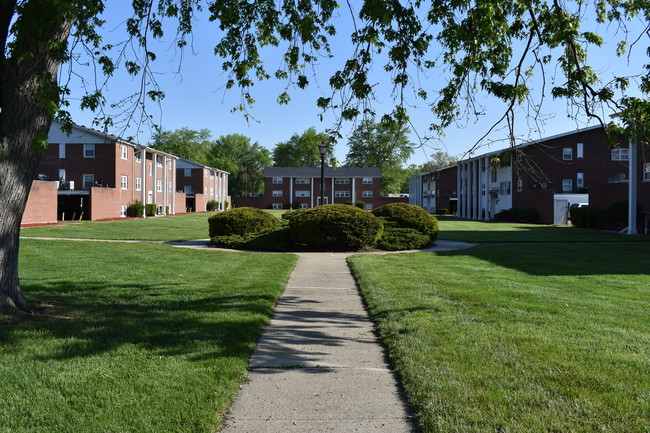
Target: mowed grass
x=168, y=228
x=518, y=337
x=138, y=338
x=454, y=229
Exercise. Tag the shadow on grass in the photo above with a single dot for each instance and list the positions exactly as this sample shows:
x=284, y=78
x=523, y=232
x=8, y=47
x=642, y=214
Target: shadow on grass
x=198, y=326
x=564, y=259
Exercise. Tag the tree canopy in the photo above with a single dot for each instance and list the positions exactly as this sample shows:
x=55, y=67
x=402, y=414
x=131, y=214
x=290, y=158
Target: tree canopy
x=381, y=144
x=185, y=142
x=302, y=150
x=244, y=161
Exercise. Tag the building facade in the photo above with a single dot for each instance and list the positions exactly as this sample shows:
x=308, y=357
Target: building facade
x=435, y=190
x=548, y=175
x=201, y=184
x=290, y=187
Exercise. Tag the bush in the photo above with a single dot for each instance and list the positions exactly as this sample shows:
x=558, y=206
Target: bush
x=225, y=205
x=212, y=205
x=286, y=205
x=406, y=215
x=360, y=204
x=295, y=205
x=150, y=209
x=240, y=221
x=443, y=211
x=291, y=213
x=135, y=209
x=399, y=238
x=337, y=227
x=613, y=217
x=277, y=239
x=517, y=215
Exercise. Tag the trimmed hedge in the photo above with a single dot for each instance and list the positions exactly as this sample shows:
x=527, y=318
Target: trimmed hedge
x=337, y=227
x=517, y=215
x=241, y=221
x=613, y=217
x=212, y=205
x=406, y=215
x=135, y=209
x=150, y=209
x=276, y=239
x=400, y=238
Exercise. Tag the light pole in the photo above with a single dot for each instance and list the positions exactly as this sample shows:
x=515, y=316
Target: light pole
x=323, y=150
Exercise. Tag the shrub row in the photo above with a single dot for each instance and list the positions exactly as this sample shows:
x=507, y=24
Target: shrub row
x=613, y=217
x=517, y=215
x=340, y=227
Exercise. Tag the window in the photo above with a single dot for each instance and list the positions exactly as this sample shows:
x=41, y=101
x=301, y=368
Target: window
x=187, y=172
x=277, y=180
x=367, y=181
x=366, y=194
x=124, y=153
x=646, y=171
x=520, y=156
x=150, y=169
x=567, y=185
x=303, y=205
x=494, y=175
x=520, y=185
x=341, y=193
x=159, y=185
x=123, y=210
x=302, y=194
x=62, y=175
x=567, y=153
x=277, y=205
x=367, y=206
x=342, y=181
x=138, y=157
x=61, y=150
x=506, y=161
x=89, y=180
x=580, y=150
x=124, y=182
x=580, y=180
x=187, y=189
x=89, y=150
x=277, y=193
x=302, y=181
x=620, y=154
x=159, y=161
x=138, y=184
x=505, y=188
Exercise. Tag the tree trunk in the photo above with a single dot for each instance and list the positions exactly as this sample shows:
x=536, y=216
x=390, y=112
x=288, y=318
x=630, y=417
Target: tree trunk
x=28, y=89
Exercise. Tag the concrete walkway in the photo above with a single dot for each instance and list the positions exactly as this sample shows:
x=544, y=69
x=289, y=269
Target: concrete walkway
x=318, y=366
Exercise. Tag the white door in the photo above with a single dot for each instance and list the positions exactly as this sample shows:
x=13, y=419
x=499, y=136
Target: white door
x=561, y=212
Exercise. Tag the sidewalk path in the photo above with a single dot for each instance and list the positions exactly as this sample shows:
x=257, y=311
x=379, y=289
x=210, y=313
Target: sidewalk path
x=318, y=366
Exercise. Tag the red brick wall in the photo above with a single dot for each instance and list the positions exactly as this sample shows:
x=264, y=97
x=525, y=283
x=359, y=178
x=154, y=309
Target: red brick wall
x=75, y=165
x=105, y=202
x=446, y=186
x=179, y=205
x=542, y=200
x=41, y=203
x=201, y=200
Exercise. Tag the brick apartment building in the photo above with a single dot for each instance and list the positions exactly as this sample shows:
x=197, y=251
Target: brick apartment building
x=435, y=190
x=548, y=175
x=300, y=186
x=201, y=184
x=93, y=175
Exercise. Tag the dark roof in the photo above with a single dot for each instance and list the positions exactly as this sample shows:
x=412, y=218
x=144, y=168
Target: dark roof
x=315, y=172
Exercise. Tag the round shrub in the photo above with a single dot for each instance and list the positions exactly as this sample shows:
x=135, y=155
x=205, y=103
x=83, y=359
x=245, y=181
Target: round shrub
x=337, y=227
x=212, y=205
x=399, y=238
x=409, y=216
x=241, y=221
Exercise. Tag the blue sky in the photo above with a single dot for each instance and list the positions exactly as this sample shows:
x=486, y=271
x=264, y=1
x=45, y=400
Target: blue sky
x=196, y=97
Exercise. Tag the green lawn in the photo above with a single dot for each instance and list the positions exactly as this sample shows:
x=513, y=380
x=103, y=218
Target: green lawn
x=139, y=338
x=454, y=229
x=517, y=337
x=169, y=228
